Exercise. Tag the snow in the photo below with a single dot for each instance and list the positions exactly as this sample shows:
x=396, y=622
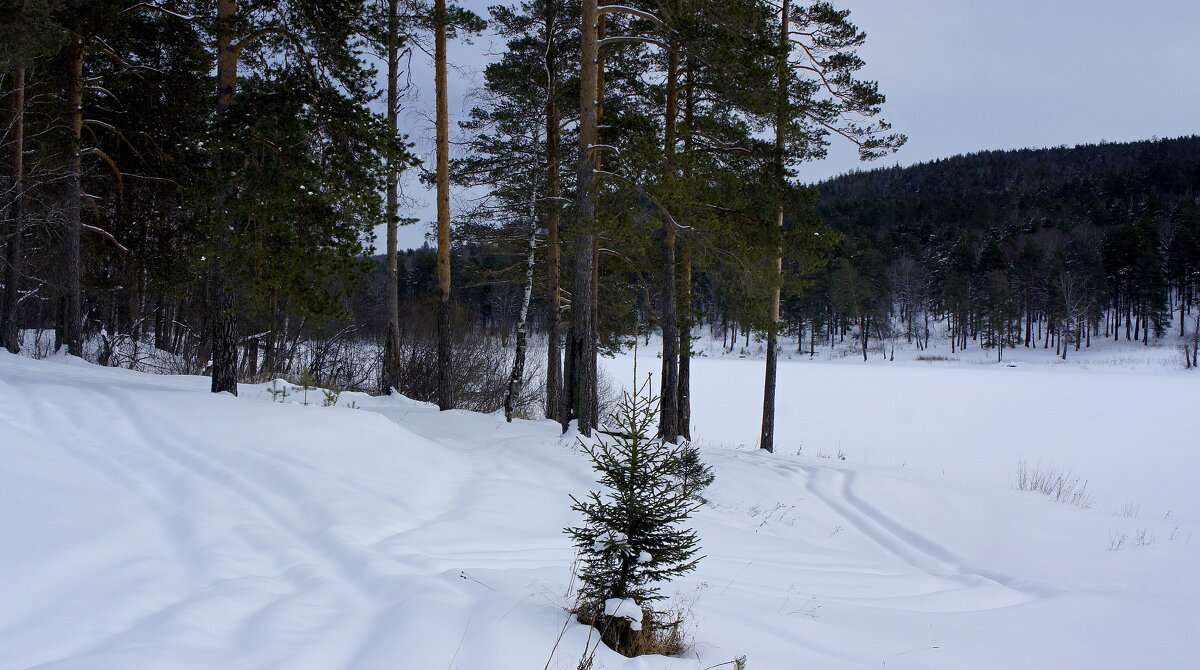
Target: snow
x=624, y=608
x=148, y=524
x=609, y=539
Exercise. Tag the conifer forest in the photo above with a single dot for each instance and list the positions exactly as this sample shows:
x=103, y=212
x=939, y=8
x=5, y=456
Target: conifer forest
x=660, y=191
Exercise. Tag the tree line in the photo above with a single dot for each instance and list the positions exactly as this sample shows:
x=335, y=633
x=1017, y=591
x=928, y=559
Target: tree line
x=204, y=176
x=1032, y=248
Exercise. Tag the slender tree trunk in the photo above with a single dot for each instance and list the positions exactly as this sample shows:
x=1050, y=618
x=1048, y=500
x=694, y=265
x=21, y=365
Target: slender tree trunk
x=685, y=342
x=445, y=374
x=1182, y=305
x=684, y=399
x=865, y=326
x=72, y=316
x=668, y=424
x=1028, y=319
x=252, y=359
x=597, y=161
x=567, y=401
x=10, y=337
x=160, y=324
x=222, y=319
x=391, y=346
x=518, y=369
x=554, y=371
x=767, y=438
x=592, y=359
x=583, y=328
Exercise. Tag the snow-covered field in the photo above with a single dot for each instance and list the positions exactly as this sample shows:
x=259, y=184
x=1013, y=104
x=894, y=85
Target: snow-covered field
x=147, y=524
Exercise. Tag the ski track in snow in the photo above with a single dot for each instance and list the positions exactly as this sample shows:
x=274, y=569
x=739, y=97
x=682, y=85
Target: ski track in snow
x=991, y=589
x=152, y=525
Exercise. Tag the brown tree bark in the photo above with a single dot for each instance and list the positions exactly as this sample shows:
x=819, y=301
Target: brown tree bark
x=684, y=399
x=72, y=314
x=553, y=213
x=222, y=320
x=445, y=390
x=583, y=327
x=391, y=346
x=685, y=341
x=767, y=437
x=668, y=423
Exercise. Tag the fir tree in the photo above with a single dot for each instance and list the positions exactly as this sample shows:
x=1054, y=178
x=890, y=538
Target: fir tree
x=633, y=537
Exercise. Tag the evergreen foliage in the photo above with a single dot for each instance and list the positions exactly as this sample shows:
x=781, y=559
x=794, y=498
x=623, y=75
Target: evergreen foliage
x=1004, y=245
x=633, y=538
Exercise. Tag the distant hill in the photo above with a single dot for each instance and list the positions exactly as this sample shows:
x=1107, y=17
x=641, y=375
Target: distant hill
x=1009, y=192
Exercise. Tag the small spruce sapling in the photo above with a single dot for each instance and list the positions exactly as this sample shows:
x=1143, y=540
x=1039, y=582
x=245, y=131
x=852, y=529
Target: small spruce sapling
x=331, y=395
x=306, y=382
x=278, y=393
x=692, y=475
x=632, y=539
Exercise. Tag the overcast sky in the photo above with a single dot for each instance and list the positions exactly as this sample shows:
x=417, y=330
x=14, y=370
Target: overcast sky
x=961, y=76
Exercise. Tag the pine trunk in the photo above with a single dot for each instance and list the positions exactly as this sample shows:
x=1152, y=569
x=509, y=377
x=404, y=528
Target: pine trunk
x=554, y=371
x=685, y=342
x=222, y=319
x=668, y=424
x=72, y=315
x=767, y=438
x=445, y=391
x=583, y=328
x=10, y=337
x=391, y=346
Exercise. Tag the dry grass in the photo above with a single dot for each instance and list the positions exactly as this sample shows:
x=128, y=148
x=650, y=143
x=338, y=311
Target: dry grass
x=662, y=633
x=1059, y=485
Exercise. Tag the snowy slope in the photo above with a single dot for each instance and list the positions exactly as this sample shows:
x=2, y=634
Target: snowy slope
x=145, y=523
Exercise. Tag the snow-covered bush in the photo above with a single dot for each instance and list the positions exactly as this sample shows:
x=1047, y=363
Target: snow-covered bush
x=632, y=539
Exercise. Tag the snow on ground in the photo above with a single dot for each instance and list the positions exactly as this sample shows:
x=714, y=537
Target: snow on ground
x=145, y=523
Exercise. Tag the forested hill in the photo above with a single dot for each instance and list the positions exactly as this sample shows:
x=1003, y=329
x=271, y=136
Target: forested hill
x=1010, y=192
x=1096, y=240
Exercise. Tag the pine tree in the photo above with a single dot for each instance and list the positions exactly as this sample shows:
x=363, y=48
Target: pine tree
x=817, y=95
x=514, y=150
x=28, y=32
x=315, y=46
x=632, y=538
x=392, y=47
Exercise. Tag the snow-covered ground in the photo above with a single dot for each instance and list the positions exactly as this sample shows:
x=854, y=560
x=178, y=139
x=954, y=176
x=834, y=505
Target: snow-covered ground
x=147, y=524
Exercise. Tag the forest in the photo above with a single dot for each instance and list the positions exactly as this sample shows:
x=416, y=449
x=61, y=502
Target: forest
x=1012, y=248
x=191, y=187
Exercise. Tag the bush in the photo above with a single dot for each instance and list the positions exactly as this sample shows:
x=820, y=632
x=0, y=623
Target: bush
x=482, y=365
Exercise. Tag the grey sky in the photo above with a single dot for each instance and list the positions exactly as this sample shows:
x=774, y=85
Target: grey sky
x=968, y=75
